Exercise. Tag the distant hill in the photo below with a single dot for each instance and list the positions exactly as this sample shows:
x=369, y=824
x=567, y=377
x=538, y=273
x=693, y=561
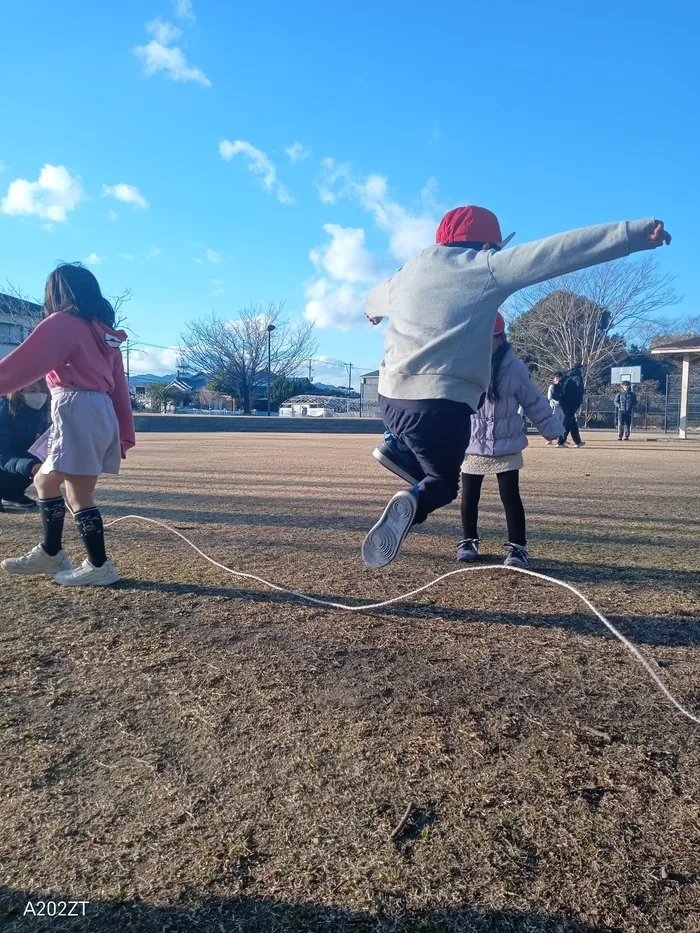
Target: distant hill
x=149, y=377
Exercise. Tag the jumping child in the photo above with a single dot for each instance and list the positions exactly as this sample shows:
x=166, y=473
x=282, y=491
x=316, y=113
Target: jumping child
x=24, y=416
x=496, y=446
x=77, y=349
x=441, y=308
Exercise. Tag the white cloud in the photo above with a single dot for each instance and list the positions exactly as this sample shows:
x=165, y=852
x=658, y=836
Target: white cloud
x=160, y=55
x=213, y=256
x=409, y=232
x=217, y=287
x=47, y=227
x=154, y=252
x=112, y=215
x=127, y=256
x=345, y=258
x=259, y=164
x=157, y=362
x=183, y=9
x=197, y=260
x=330, y=174
x=297, y=152
x=52, y=196
x=93, y=260
x=336, y=297
x=2, y=166
x=129, y=194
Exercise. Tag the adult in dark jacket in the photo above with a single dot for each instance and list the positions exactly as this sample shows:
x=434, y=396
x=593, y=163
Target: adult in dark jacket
x=570, y=401
x=24, y=416
x=625, y=404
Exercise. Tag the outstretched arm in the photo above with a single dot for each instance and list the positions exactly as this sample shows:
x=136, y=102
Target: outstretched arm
x=535, y=262
x=44, y=349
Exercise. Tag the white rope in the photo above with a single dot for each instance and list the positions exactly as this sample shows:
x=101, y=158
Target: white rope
x=634, y=651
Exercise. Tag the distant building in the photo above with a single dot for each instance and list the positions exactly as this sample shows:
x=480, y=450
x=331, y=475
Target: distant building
x=369, y=388
x=18, y=318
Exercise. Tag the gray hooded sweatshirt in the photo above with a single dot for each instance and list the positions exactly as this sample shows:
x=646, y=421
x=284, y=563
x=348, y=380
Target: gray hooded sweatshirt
x=442, y=305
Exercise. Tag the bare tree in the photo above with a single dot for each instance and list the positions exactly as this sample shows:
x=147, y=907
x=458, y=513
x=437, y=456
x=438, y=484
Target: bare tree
x=235, y=351
x=590, y=317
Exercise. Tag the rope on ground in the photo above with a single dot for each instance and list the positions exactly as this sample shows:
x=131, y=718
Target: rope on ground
x=634, y=651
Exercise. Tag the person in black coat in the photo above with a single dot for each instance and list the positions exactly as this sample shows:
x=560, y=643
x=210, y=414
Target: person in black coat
x=24, y=416
x=570, y=401
x=625, y=404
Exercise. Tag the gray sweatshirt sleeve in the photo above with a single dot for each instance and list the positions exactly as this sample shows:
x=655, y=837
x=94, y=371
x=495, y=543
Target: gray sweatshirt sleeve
x=535, y=262
x=378, y=302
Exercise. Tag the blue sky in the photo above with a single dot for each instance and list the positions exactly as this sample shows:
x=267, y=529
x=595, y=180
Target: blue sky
x=552, y=115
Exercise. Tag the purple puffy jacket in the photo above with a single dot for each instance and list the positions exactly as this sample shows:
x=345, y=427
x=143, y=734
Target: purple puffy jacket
x=497, y=428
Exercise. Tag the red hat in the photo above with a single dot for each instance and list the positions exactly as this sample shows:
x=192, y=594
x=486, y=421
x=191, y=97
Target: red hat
x=467, y=225
x=500, y=326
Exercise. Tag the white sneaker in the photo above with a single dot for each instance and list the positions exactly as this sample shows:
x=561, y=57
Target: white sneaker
x=38, y=561
x=582, y=444
x=383, y=542
x=87, y=575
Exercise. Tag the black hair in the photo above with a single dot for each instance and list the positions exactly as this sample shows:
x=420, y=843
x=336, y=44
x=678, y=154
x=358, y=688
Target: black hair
x=473, y=244
x=626, y=382
x=74, y=289
x=496, y=361
x=558, y=373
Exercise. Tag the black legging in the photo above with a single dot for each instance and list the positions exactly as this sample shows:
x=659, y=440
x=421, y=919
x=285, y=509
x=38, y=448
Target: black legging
x=510, y=497
x=570, y=427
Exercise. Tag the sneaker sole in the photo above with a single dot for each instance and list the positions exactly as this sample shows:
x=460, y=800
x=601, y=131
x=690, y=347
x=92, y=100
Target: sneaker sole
x=393, y=468
x=8, y=504
x=510, y=562
x=104, y=581
x=384, y=541
x=35, y=573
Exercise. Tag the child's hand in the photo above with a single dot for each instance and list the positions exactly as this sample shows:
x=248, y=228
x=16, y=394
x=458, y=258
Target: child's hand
x=659, y=236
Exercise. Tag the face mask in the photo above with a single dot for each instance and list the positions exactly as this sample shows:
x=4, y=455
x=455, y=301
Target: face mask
x=35, y=400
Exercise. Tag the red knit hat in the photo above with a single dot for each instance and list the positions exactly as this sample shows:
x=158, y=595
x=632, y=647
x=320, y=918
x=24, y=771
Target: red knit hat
x=468, y=225
x=500, y=326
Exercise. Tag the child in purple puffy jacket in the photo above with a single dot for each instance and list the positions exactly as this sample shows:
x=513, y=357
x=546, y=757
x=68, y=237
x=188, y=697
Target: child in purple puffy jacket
x=496, y=445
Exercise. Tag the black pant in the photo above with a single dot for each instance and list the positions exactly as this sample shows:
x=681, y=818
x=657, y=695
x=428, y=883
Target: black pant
x=570, y=427
x=624, y=423
x=508, y=487
x=437, y=432
x=16, y=476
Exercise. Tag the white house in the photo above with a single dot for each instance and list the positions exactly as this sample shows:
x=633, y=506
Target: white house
x=18, y=318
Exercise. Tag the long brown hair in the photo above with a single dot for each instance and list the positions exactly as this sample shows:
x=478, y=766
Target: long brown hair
x=74, y=289
x=14, y=398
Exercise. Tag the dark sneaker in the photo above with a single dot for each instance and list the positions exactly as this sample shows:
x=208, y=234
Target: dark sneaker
x=383, y=542
x=516, y=556
x=468, y=550
x=582, y=444
x=21, y=502
x=393, y=454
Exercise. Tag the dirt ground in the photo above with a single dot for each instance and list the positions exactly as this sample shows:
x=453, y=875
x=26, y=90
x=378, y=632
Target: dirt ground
x=191, y=751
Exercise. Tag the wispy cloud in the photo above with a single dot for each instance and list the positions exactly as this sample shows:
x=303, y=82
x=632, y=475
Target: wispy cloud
x=128, y=194
x=183, y=9
x=154, y=252
x=157, y=362
x=297, y=152
x=2, y=166
x=197, y=260
x=112, y=215
x=213, y=256
x=259, y=164
x=55, y=193
x=217, y=287
x=330, y=175
x=161, y=55
x=126, y=256
x=93, y=260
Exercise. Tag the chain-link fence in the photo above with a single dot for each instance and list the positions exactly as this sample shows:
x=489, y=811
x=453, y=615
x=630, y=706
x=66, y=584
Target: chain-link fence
x=657, y=412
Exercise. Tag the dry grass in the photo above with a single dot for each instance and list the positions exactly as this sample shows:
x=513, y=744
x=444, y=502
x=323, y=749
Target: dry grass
x=192, y=752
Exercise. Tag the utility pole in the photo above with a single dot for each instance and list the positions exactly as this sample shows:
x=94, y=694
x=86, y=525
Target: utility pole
x=349, y=385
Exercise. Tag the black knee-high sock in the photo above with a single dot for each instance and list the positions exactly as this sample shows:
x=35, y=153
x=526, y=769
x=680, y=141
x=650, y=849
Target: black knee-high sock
x=89, y=522
x=53, y=512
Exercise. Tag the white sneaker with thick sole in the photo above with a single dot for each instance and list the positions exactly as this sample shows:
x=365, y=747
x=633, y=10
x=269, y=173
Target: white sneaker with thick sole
x=383, y=542
x=87, y=575
x=37, y=561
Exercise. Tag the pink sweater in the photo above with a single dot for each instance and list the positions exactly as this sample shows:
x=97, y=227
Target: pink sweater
x=73, y=354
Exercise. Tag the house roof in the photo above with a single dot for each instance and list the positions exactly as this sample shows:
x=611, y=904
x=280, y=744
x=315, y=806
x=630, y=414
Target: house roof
x=678, y=347
x=367, y=375
x=18, y=307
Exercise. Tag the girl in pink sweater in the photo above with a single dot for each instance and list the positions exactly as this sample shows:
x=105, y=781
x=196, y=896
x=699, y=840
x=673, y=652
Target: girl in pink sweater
x=77, y=349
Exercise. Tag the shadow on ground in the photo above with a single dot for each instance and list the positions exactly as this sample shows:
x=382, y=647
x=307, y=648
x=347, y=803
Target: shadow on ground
x=263, y=915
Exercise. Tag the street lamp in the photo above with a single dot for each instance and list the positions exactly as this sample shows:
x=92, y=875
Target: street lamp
x=270, y=328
